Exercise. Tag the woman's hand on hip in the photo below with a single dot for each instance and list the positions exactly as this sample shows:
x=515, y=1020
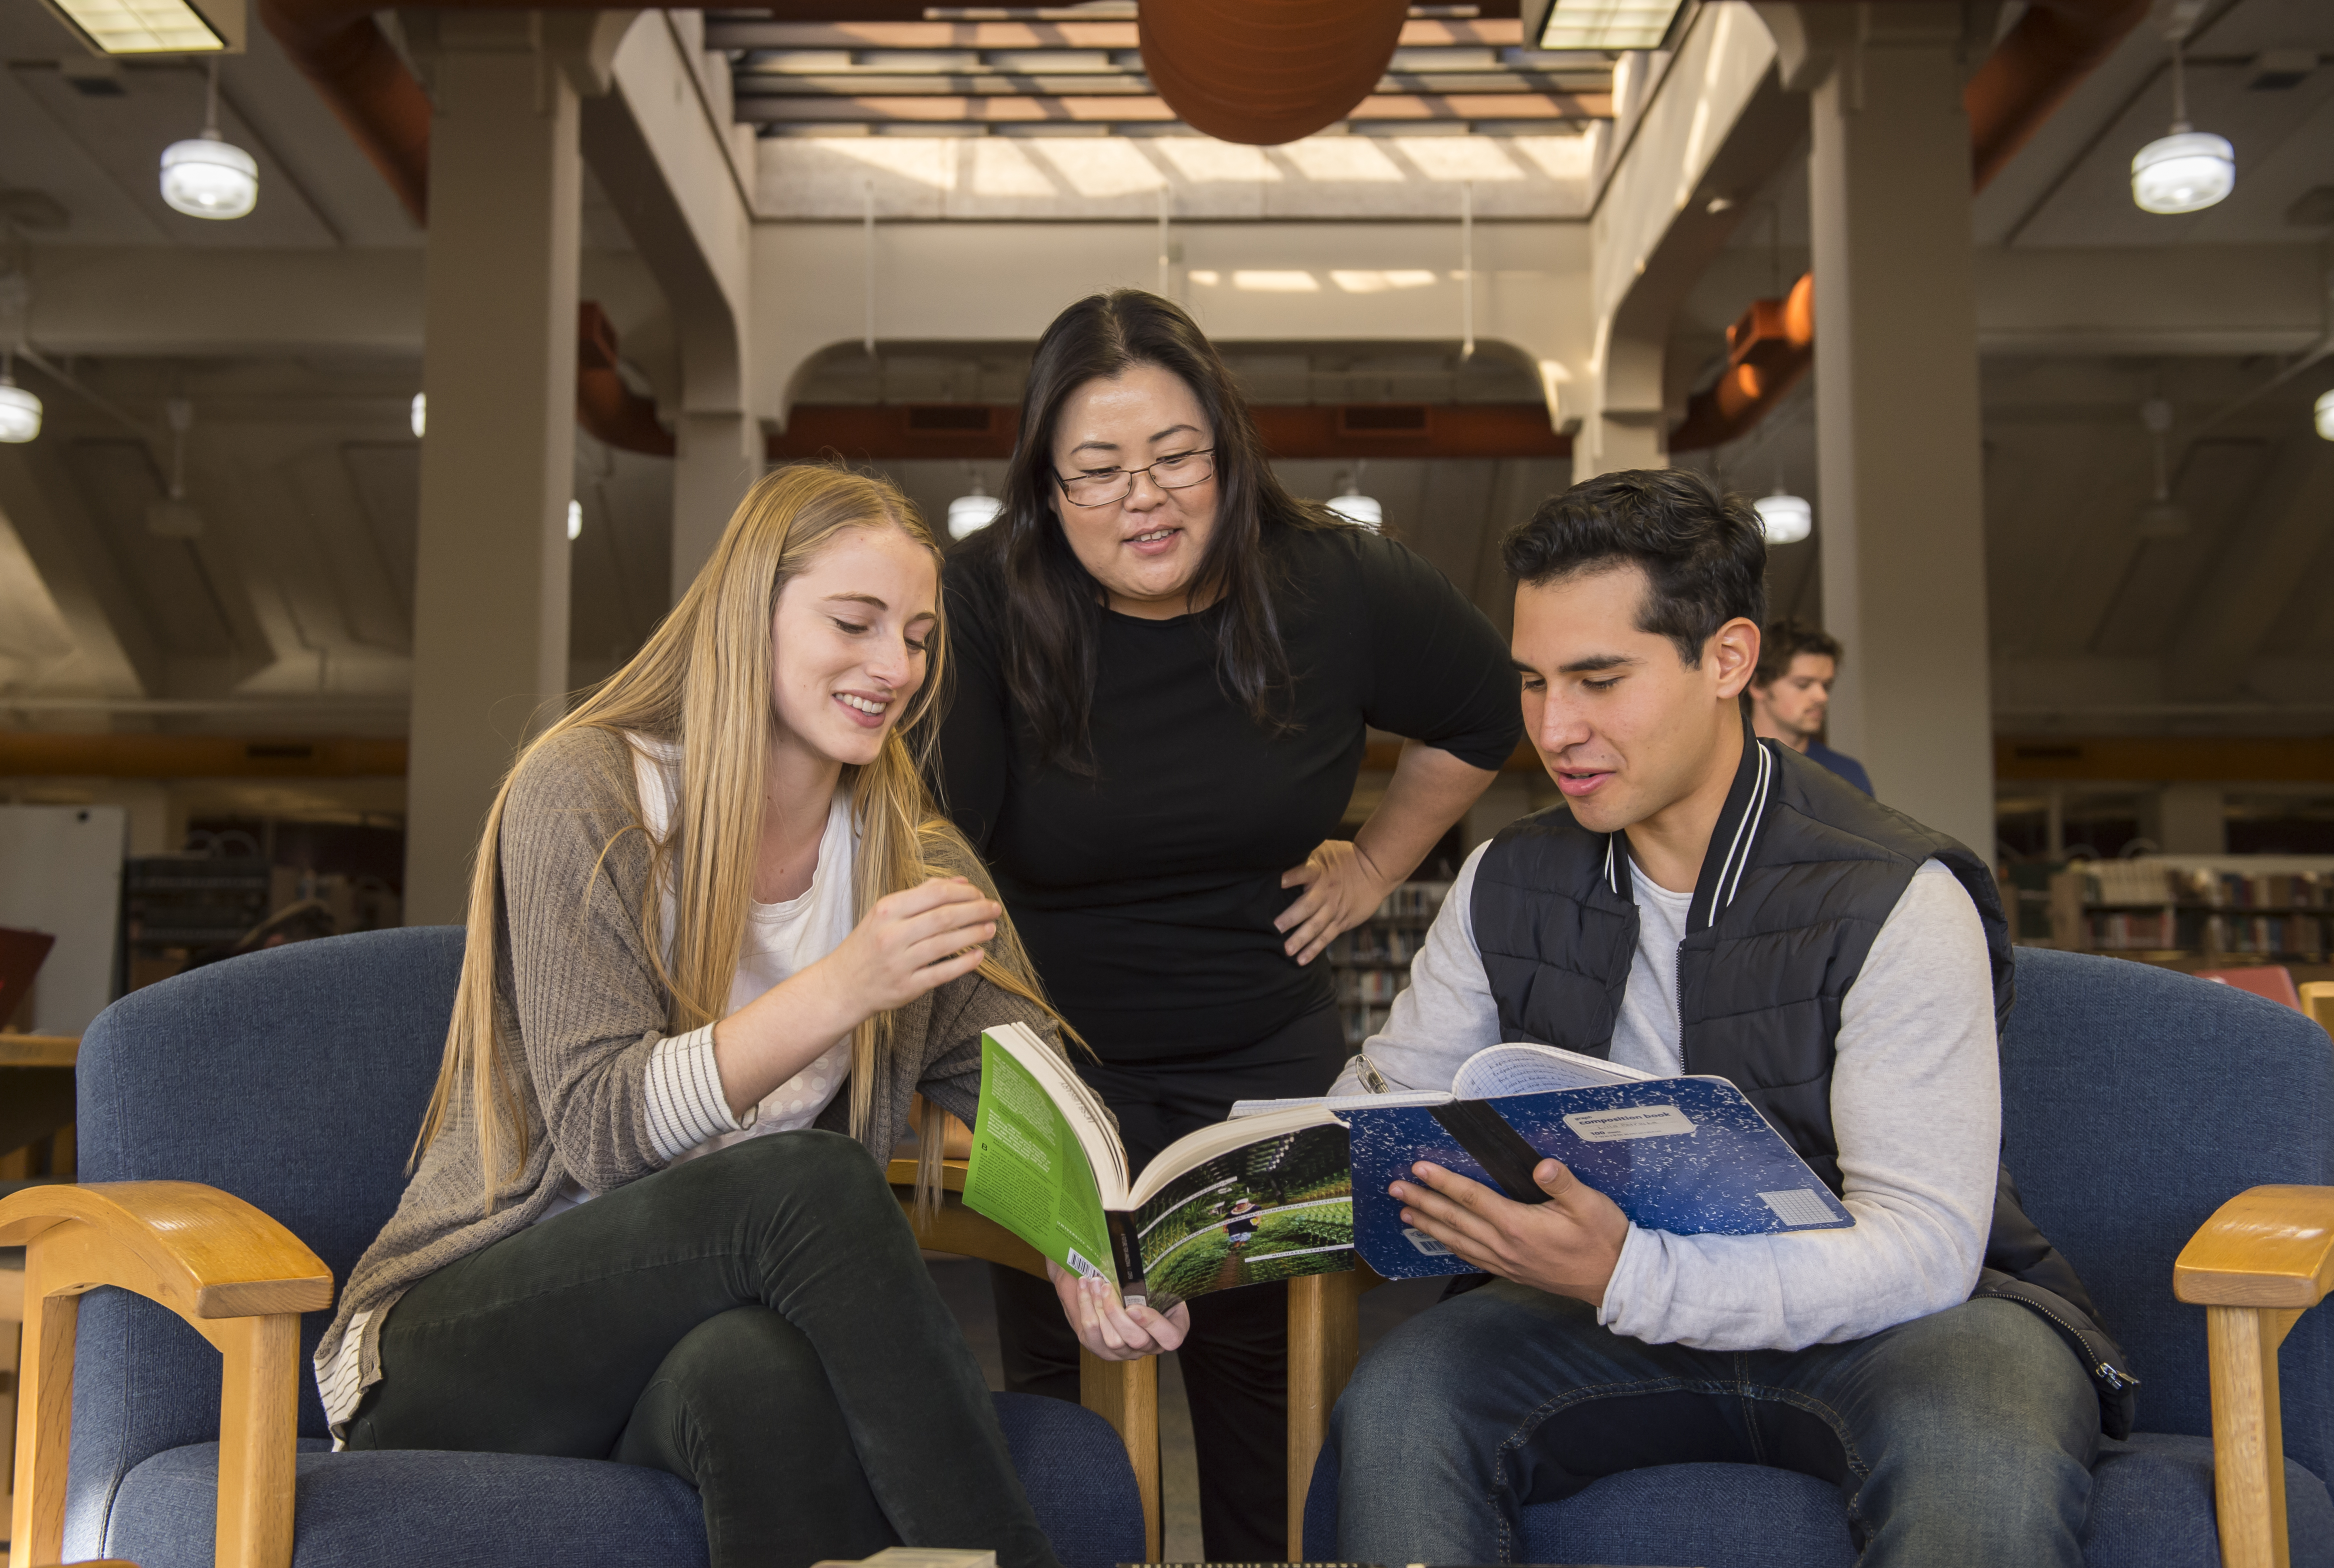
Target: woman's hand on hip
x=1107, y=1326
x=1343, y=888
x=913, y=941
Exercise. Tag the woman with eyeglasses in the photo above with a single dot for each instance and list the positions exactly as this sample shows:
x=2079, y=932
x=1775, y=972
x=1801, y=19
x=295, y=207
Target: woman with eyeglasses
x=1165, y=668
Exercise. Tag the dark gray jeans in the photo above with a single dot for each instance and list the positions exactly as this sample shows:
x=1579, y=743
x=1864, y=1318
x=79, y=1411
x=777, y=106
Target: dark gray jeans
x=759, y=1323
x=1963, y=1437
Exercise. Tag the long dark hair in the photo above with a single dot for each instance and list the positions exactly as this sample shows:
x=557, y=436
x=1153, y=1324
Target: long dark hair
x=1053, y=607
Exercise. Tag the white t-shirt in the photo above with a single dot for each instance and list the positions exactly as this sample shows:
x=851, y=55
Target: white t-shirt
x=687, y=1113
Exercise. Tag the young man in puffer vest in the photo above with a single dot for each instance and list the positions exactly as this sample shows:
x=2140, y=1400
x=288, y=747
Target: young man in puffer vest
x=1704, y=902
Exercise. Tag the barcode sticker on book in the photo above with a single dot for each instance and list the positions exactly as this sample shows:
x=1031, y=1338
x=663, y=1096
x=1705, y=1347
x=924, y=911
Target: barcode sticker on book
x=1797, y=1206
x=1425, y=1243
x=1079, y=1263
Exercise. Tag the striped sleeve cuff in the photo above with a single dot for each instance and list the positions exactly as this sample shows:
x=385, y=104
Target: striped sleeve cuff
x=341, y=1385
x=686, y=1105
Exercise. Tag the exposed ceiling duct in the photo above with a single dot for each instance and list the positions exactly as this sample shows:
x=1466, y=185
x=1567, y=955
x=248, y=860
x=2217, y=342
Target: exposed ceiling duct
x=2031, y=72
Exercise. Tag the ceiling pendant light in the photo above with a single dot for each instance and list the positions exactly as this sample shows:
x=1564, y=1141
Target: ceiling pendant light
x=20, y=410
x=969, y=515
x=574, y=521
x=2187, y=170
x=206, y=177
x=1362, y=510
x=1785, y=518
x=2324, y=412
x=421, y=415
x=2159, y=516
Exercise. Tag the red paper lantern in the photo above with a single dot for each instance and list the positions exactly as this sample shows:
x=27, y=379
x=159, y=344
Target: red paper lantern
x=1266, y=72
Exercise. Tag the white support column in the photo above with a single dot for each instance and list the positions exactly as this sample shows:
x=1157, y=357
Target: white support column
x=718, y=456
x=1900, y=512
x=2192, y=819
x=490, y=591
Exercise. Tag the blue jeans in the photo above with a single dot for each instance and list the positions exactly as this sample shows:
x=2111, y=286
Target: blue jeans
x=1963, y=1437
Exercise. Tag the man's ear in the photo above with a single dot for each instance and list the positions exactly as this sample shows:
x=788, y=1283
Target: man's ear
x=1734, y=655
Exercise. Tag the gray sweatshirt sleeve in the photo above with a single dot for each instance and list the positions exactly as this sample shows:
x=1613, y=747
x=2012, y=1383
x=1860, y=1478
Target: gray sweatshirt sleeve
x=1916, y=1105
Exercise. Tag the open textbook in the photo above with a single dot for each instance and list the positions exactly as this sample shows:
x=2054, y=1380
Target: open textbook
x=1244, y=1202
x=1691, y=1154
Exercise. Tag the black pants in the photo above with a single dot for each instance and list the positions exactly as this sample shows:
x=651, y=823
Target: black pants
x=1235, y=1363
x=759, y=1323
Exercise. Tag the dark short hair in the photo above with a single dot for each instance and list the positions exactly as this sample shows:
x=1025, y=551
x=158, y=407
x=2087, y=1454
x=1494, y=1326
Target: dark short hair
x=1785, y=641
x=1052, y=606
x=1703, y=553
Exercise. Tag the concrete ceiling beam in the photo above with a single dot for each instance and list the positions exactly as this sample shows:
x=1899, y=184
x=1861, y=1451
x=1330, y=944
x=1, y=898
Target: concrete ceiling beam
x=102, y=613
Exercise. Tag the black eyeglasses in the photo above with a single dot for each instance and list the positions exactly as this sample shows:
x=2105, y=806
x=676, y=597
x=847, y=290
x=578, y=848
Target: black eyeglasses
x=1101, y=486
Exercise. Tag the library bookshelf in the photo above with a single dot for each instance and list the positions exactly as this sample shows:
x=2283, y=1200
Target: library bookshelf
x=2200, y=910
x=1371, y=963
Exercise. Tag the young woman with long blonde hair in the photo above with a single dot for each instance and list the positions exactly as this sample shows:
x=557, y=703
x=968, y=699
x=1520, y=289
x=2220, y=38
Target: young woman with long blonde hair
x=715, y=903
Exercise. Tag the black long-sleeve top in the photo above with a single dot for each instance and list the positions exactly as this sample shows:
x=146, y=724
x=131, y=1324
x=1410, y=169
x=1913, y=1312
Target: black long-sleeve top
x=1146, y=895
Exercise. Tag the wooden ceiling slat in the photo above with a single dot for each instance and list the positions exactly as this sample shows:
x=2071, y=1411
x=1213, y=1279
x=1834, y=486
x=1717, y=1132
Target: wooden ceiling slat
x=1032, y=109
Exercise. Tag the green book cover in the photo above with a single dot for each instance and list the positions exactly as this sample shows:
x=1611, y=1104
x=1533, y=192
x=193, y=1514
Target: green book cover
x=1244, y=1202
x=1029, y=1173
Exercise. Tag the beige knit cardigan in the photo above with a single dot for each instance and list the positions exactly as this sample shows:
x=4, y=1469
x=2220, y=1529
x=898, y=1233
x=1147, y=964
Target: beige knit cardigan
x=574, y=985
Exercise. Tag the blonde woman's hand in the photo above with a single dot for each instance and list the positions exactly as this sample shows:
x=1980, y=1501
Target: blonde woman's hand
x=1105, y=1326
x=1343, y=888
x=912, y=941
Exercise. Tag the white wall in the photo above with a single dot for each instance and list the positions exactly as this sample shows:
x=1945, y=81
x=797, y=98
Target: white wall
x=61, y=872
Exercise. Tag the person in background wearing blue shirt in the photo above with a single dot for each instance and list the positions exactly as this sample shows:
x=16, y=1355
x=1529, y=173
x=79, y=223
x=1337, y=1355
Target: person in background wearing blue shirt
x=1791, y=691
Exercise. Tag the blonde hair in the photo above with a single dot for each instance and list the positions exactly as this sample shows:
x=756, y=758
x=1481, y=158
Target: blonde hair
x=704, y=679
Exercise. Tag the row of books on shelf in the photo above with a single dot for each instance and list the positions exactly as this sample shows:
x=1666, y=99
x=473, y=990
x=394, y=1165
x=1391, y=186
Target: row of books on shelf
x=2164, y=930
x=1375, y=944
x=1417, y=901
x=2146, y=882
x=1362, y=1019
x=1379, y=986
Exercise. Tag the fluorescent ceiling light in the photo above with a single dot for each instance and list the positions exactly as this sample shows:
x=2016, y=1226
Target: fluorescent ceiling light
x=1608, y=25
x=143, y=26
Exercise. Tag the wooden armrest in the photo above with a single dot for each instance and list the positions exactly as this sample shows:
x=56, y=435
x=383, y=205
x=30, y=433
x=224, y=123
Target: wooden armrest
x=235, y=1275
x=2318, y=1003
x=199, y=1251
x=2272, y=1246
x=902, y=1173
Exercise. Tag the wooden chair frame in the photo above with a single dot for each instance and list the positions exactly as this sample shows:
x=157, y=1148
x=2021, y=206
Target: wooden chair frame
x=237, y=1277
x=242, y=1281
x=1123, y=1394
x=2264, y=1258
x=2318, y=1003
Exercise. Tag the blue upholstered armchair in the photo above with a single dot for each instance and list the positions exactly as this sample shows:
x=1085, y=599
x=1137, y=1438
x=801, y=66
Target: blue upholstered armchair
x=2136, y=1104
x=256, y=1117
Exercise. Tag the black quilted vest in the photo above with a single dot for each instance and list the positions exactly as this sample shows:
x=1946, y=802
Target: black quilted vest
x=1800, y=873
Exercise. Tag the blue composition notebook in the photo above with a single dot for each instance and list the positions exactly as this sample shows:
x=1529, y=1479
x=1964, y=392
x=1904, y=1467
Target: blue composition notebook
x=1690, y=1156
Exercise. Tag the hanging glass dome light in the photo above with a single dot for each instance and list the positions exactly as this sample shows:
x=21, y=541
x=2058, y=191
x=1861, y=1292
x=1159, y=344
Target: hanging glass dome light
x=204, y=177
x=1787, y=518
x=420, y=414
x=2324, y=413
x=969, y=515
x=20, y=410
x=1362, y=511
x=2187, y=170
